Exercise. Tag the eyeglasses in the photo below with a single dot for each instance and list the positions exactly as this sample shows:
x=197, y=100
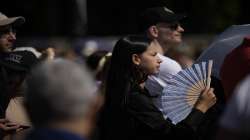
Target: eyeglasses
x=7, y=31
x=174, y=26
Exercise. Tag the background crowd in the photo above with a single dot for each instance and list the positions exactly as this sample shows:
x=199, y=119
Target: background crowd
x=63, y=84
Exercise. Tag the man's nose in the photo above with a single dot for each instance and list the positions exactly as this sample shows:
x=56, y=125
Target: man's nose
x=180, y=28
x=12, y=35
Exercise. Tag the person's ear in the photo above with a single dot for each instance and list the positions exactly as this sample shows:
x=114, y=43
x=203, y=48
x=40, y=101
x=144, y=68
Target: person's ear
x=153, y=31
x=136, y=59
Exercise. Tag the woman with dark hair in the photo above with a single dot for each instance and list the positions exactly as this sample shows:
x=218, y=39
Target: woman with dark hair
x=128, y=112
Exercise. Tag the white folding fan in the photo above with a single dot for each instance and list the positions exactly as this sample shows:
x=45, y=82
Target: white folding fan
x=183, y=90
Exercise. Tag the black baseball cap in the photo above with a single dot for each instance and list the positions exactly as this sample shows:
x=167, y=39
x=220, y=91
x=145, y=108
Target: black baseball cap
x=152, y=16
x=18, y=60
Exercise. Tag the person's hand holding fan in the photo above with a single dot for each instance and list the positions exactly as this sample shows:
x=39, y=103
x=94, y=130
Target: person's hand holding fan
x=184, y=89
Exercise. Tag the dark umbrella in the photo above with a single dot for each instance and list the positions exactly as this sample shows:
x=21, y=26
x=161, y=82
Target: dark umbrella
x=223, y=44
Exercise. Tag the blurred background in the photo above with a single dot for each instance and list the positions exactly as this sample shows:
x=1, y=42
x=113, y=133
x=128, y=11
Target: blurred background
x=85, y=25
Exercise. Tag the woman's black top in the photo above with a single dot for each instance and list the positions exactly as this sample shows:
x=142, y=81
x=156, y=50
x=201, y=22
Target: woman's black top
x=139, y=119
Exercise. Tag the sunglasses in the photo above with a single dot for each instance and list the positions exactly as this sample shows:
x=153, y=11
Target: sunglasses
x=171, y=26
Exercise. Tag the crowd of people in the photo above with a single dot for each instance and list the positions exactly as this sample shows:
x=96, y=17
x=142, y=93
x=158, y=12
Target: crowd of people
x=116, y=95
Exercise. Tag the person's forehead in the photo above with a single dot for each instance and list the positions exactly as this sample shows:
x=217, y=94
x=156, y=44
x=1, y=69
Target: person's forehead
x=166, y=23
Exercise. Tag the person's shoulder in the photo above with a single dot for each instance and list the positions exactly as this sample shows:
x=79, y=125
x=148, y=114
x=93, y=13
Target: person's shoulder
x=140, y=102
x=139, y=96
x=168, y=60
x=168, y=66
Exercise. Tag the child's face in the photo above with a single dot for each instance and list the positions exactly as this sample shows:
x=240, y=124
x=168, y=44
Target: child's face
x=149, y=60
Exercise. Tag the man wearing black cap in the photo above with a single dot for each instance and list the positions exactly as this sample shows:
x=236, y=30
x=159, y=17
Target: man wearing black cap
x=162, y=24
x=163, y=27
x=7, y=32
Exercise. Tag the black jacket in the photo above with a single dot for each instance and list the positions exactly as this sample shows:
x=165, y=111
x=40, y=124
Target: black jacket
x=139, y=119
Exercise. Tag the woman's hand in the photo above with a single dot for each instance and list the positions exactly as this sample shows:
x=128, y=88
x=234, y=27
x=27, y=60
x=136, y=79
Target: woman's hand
x=206, y=100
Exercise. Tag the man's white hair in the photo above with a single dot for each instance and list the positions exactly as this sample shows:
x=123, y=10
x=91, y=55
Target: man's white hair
x=64, y=88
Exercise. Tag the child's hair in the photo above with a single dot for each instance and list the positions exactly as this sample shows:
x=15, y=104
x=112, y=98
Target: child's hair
x=123, y=74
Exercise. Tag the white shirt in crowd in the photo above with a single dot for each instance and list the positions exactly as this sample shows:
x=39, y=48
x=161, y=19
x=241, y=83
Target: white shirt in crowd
x=157, y=82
